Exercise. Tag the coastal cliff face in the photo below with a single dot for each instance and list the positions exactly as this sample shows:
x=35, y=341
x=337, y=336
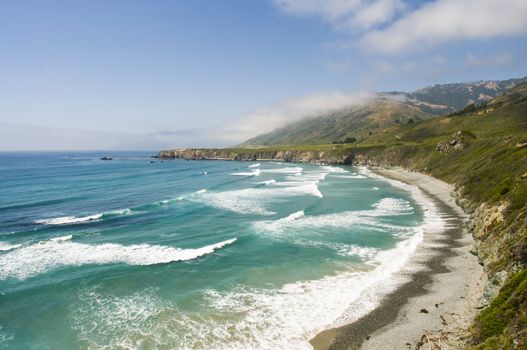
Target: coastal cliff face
x=294, y=156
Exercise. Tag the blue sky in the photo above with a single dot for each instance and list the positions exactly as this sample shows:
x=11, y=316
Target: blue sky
x=186, y=67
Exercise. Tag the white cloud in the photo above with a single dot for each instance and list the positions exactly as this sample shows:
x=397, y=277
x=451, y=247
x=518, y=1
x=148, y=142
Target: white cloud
x=267, y=119
x=377, y=12
x=344, y=14
x=237, y=130
x=390, y=27
x=449, y=20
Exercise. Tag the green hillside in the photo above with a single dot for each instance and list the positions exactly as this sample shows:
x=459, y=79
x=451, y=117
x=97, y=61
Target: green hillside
x=347, y=124
x=356, y=123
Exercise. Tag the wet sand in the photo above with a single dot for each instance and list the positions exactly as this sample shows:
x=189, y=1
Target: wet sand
x=436, y=306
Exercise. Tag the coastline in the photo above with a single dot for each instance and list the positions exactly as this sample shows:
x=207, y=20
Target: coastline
x=436, y=306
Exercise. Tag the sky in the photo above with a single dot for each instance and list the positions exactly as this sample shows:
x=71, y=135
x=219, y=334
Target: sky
x=130, y=74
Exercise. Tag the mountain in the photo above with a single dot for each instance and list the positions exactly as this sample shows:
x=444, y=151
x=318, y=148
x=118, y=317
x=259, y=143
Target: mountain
x=448, y=98
x=359, y=122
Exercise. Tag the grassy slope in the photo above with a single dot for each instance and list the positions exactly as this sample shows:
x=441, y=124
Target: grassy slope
x=354, y=122
x=491, y=168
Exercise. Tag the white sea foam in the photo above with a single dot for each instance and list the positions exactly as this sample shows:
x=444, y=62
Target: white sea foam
x=255, y=172
x=64, y=220
x=392, y=206
x=295, y=216
x=248, y=317
x=62, y=238
x=268, y=182
x=4, y=247
x=254, y=165
x=288, y=317
x=68, y=220
x=343, y=249
x=58, y=252
x=242, y=318
x=5, y=338
x=358, y=176
x=433, y=222
x=334, y=169
x=256, y=200
x=348, y=219
x=201, y=191
x=286, y=170
x=204, y=173
x=125, y=211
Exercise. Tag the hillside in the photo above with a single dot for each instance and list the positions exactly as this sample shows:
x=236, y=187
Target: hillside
x=483, y=151
x=358, y=122
x=347, y=124
x=447, y=98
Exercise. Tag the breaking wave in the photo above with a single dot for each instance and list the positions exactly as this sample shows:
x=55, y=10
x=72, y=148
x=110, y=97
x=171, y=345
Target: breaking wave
x=256, y=200
x=59, y=252
x=243, y=317
x=68, y=220
x=4, y=247
x=348, y=219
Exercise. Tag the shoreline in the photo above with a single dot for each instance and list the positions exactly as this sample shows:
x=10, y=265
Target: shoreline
x=436, y=306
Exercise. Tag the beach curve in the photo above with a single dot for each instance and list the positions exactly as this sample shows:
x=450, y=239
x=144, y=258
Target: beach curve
x=436, y=306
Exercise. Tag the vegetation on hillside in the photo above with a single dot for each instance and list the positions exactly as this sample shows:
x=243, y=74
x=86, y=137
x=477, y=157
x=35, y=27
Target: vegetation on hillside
x=388, y=109
x=349, y=123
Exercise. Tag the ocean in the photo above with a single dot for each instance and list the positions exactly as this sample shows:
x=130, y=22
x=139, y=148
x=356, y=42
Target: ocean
x=139, y=253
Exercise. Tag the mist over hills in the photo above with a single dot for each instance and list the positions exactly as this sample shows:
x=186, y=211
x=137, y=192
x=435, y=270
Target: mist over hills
x=360, y=121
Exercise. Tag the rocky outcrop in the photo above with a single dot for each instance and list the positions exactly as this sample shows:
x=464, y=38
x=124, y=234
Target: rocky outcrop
x=456, y=143
x=296, y=156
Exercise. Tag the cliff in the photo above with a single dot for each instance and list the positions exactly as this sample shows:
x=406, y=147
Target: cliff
x=295, y=156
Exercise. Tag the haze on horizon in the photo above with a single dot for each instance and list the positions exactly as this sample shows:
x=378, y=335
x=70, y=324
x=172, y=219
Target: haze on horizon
x=89, y=75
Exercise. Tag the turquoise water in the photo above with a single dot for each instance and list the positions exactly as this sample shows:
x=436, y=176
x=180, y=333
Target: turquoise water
x=191, y=254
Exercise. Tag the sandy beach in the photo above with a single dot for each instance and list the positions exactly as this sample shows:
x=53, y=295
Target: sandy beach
x=437, y=304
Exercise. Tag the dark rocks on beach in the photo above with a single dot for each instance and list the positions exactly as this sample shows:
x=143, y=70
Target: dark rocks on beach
x=423, y=311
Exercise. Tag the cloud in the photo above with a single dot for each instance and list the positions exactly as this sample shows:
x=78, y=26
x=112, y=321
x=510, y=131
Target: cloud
x=237, y=130
x=444, y=21
x=393, y=27
x=495, y=59
x=267, y=119
x=344, y=14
